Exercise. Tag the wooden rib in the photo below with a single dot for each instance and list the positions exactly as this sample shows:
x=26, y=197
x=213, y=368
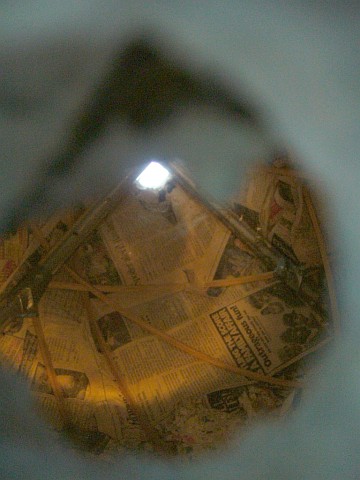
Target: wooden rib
x=180, y=345
x=171, y=287
x=46, y=357
x=324, y=258
x=151, y=433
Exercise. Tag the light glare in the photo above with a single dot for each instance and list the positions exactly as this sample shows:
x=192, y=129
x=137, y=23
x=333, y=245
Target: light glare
x=154, y=176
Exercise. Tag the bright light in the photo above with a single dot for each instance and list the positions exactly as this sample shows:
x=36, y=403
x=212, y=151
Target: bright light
x=154, y=176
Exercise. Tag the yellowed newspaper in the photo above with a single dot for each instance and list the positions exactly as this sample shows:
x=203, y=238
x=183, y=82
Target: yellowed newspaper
x=149, y=246
x=81, y=366
x=263, y=327
x=283, y=216
x=95, y=405
x=263, y=332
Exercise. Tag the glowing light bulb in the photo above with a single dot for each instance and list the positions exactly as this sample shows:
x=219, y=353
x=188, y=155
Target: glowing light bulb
x=154, y=176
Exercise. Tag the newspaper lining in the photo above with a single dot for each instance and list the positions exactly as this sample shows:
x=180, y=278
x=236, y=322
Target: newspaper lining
x=263, y=327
